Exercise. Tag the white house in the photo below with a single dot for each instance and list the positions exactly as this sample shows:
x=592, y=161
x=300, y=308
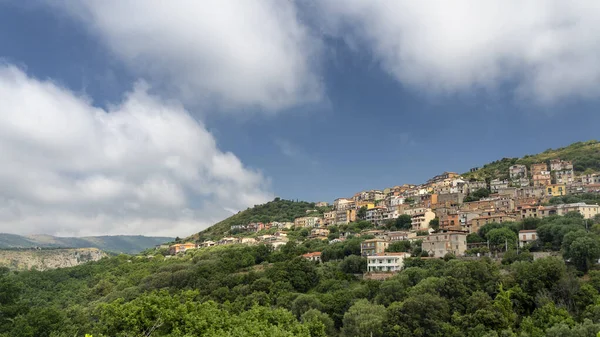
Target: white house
x=527, y=236
x=386, y=262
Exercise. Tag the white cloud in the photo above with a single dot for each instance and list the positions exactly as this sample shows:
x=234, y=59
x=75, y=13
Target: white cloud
x=144, y=166
x=238, y=53
x=548, y=48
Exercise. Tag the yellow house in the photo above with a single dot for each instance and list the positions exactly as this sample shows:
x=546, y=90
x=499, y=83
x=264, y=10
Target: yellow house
x=556, y=190
x=366, y=204
x=351, y=215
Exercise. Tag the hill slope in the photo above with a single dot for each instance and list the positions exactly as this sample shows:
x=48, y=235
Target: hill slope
x=276, y=210
x=584, y=155
x=48, y=259
x=129, y=244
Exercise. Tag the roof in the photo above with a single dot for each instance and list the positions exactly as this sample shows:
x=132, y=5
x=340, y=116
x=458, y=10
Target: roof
x=313, y=254
x=375, y=240
x=390, y=254
x=528, y=231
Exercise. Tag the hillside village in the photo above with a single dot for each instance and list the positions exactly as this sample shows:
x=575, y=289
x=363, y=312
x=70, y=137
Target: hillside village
x=440, y=213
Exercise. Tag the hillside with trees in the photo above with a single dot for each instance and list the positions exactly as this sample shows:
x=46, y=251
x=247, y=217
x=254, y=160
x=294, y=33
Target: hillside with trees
x=253, y=290
x=280, y=210
x=584, y=155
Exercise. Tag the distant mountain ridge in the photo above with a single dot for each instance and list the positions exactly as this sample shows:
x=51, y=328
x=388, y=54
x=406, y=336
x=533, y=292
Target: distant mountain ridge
x=129, y=244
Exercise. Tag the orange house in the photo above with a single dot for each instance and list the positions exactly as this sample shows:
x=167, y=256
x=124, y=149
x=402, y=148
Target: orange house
x=181, y=247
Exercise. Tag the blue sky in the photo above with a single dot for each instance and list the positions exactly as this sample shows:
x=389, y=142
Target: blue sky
x=353, y=98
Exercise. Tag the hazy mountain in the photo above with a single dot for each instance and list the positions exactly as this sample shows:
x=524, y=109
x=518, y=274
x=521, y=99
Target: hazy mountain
x=129, y=244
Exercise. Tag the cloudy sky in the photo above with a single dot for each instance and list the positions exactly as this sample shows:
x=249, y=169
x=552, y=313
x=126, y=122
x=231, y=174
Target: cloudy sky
x=161, y=118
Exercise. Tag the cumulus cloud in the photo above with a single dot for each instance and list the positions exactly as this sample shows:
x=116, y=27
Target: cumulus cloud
x=548, y=48
x=142, y=166
x=238, y=53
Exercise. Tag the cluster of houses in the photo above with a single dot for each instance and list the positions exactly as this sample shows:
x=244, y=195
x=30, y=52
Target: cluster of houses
x=442, y=198
x=276, y=240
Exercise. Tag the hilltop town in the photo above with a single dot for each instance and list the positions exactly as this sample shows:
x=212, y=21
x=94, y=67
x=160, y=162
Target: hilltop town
x=444, y=214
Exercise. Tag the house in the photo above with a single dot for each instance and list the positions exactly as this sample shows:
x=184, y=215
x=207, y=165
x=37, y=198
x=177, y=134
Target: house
x=396, y=200
x=181, y=247
x=392, y=212
x=560, y=165
x=396, y=236
x=498, y=184
x=531, y=192
x=312, y=222
x=322, y=204
x=207, y=244
x=542, y=178
x=329, y=218
x=590, y=179
x=375, y=215
x=373, y=246
x=345, y=216
x=314, y=256
x=476, y=185
x=527, y=236
x=449, y=220
x=386, y=262
x=300, y=222
x=539, y=167
x=440, y=244
x=277, y=244
x=343, y=204
x=421, y=219
x=490, y=217
x=588, y=211
x=517, y=172
x=442, y=177
x=248, y=241
x=465, y=219
x=227, y=241
x=319, y=233
x=556, y=190
x=341, y=217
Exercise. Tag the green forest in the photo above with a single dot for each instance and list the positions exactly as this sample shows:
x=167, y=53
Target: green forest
x=242, y=290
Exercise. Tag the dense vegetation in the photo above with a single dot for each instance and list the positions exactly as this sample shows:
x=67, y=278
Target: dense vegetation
x=254, y=291
x=277, y=210
x=584, y=155
x=129, y=244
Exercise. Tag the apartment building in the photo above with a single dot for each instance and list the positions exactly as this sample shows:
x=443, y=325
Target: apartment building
x=373, y=246
x=588, y=211
x=386, y=262
x=440, y=244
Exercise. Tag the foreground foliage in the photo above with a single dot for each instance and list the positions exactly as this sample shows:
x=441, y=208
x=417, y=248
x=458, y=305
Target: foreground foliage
x=255, y=291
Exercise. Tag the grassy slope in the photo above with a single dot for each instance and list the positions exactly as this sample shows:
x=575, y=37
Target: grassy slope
x=276, y=210
x=585, y=157
x=117, y=244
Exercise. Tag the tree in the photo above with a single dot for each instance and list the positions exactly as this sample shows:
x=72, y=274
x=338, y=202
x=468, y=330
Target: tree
x=434, y=224
x=399, y=246
x=424, y=313
x=364, y=319
x=319, y=323
x=584, y=252
x=477, y=195
x=354, y=264
x=474, y=238
x=404, y=222
x=362, y=213
x=500, y=237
